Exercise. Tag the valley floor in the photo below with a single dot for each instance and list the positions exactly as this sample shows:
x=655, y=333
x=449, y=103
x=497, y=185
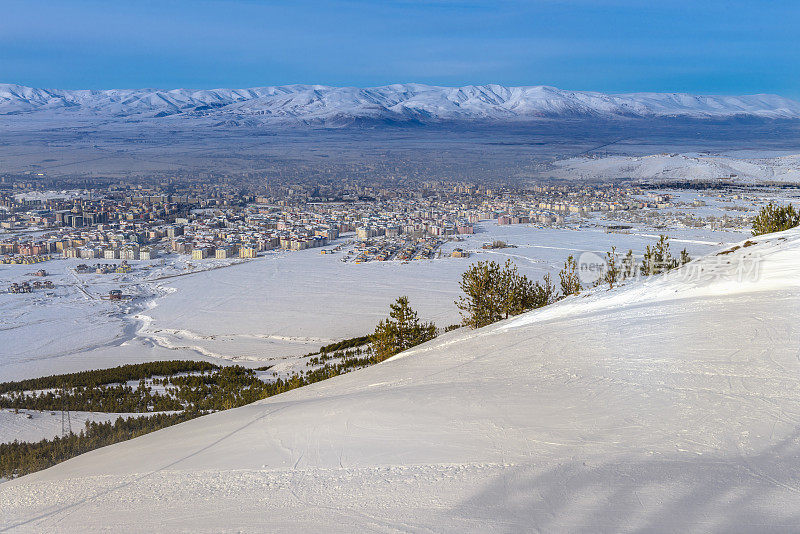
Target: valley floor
x=267, y=311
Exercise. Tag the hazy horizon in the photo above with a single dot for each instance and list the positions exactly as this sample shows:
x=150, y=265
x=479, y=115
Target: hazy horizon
x=615, y=47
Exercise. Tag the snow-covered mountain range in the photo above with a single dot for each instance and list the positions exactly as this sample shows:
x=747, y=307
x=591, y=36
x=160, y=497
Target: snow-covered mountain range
x=412, y=103
x=666, y=405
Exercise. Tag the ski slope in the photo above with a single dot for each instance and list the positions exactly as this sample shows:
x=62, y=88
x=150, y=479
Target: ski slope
x=670, y=405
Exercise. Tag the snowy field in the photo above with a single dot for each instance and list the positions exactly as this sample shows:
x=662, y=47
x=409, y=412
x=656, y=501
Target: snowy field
x=292, y=303
x=74, y=326
x=279, y=306
x=687, y=166
x=670, y=405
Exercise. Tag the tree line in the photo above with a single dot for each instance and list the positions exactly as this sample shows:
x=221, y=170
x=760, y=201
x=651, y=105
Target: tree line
x=493, y=292
x=96, y=377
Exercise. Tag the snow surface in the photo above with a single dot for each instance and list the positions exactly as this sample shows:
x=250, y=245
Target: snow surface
x=266, y=311
x=318, y=104
x=678, y=167
x=671, y=405
x=291, y=304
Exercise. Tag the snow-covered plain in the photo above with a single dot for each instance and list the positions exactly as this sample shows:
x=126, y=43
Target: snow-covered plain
x=679, y=167
x=277, y=307
x=74, y=326
x=670, y=405
x=49, y=330
x=290, y=304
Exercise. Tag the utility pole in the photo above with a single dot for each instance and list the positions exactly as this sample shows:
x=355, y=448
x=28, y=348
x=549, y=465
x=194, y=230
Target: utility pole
x=66, y=423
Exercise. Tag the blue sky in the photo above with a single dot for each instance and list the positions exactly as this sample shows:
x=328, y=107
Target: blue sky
x=727, y=47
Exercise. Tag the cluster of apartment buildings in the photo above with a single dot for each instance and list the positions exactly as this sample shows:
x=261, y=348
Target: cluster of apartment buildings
x=141, y=224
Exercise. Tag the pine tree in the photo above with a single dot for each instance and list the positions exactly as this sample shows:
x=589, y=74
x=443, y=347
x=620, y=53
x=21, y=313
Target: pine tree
x=648, y=262
x=482, y=301
x=628, y=267
x=384, y=340
x=544, y=293
x=613, y=273
x=401, y=331
x=774, y=218
x=513, y=292
x=570, y=282
x=663, y=258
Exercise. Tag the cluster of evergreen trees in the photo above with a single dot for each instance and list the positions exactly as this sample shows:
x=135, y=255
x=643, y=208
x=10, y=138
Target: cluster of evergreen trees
x=359, y=351
x=346, y=344
x=493, y=292
x=219, y=388
x=348, y=361
x=113, y=375
x=117, y=398
x=400, y=331
x=774, y=218
x=657, y=259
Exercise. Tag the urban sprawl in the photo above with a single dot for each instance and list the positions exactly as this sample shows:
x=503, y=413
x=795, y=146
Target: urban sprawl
x=143, y=222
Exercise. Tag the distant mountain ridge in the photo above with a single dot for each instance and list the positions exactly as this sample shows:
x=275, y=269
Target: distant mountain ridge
x=403, y=103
